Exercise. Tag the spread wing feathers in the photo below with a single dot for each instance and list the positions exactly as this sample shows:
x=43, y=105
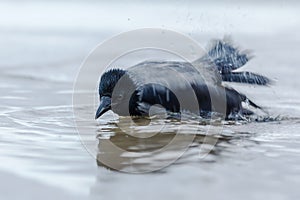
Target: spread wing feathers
x=246, y=77
x=227, y=57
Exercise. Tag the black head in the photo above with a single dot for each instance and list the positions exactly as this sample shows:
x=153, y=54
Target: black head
x=107, y=83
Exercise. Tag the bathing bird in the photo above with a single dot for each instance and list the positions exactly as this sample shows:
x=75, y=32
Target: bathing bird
x=176, y=86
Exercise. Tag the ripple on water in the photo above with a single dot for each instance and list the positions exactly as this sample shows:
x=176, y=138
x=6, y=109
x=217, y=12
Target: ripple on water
x=143, y=153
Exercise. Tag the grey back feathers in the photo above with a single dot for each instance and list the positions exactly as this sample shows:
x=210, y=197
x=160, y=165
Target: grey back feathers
x=167, y=73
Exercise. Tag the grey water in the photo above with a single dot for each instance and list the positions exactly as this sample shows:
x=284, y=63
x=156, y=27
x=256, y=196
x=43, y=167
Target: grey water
x=43, y=44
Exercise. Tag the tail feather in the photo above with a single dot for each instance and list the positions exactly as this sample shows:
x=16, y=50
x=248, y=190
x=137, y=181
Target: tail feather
x=251, y=103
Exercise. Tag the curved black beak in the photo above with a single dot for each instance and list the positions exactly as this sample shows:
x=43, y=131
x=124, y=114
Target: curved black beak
x=105, y=105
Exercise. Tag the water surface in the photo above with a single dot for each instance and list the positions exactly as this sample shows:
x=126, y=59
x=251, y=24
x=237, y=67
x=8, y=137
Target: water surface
x=42, y=155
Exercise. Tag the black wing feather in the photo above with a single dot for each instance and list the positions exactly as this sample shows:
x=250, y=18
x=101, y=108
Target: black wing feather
x=246, y=77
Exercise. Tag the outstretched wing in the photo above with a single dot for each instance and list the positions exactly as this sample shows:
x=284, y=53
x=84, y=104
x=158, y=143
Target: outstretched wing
x=246, y=77
x=225, y=58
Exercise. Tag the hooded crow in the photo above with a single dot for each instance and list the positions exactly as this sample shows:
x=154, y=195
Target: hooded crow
x=176, y=86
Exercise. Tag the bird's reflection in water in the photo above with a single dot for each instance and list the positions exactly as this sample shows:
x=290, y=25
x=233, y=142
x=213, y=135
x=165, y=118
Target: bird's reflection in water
x=139, y=146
